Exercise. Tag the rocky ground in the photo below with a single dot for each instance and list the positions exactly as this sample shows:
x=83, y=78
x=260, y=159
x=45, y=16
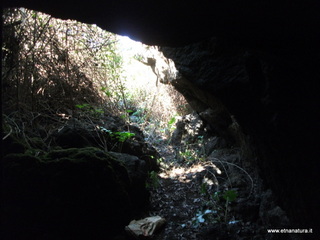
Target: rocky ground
x=220, y=196
x=191, y=197
x=207, y=189
x=204, y=188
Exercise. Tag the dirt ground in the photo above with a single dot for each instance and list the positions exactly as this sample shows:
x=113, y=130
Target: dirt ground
x=206, y=199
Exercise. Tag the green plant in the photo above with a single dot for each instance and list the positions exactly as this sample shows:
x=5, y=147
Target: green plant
x=123, y=136
x=90, y=110
x=138, y=57
x=188, y=155
x=120, y=136
x=153, y=180
x=216, y=207
x=191, y=153
x=229, y=196
x=171, y=122
x=170, y=126
x=106, y=91
x=106, y=135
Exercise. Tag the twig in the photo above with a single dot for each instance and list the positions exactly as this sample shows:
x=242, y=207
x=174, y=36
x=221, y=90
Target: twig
x=8, y=133
x=235, y=165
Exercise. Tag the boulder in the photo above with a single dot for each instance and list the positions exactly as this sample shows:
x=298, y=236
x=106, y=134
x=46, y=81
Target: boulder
x=188, y=130
x=138, y=173
x=82, y=135
x=66, y=194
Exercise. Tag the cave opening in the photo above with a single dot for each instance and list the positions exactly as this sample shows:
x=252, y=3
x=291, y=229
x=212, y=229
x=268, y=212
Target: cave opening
x=76, y=97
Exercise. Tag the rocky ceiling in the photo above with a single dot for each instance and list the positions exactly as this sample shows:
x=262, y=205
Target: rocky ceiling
x=265, y=68
x=266, y=23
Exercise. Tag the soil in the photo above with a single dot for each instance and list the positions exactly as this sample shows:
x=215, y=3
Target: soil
x=189, y=195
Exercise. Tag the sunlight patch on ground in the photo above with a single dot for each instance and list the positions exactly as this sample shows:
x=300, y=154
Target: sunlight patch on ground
x=178, y=172
x=205, y=171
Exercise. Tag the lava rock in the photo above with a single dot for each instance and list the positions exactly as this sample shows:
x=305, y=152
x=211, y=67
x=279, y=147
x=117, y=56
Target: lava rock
x=137, y=171
x=67, y=194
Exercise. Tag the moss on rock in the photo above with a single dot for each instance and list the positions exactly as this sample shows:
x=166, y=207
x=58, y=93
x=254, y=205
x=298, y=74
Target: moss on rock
x=66, y=194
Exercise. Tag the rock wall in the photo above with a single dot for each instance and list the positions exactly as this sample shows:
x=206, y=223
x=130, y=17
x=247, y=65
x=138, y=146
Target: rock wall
x=70, y=193
x=273, y=96
x=72, y=188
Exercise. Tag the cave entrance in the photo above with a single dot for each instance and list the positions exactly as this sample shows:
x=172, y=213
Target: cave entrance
x=70, y=85
x=151, y=102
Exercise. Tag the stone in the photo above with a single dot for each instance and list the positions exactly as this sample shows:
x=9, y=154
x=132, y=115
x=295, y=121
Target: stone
x=188, y=130
x=69, y=193
x=145, y=227
x=73, y=137
x=270, y=213
x=248, y=210
x=144, y=151
x=213, y=143
x=137, y=171
x=277, y=217
x=84, y=135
